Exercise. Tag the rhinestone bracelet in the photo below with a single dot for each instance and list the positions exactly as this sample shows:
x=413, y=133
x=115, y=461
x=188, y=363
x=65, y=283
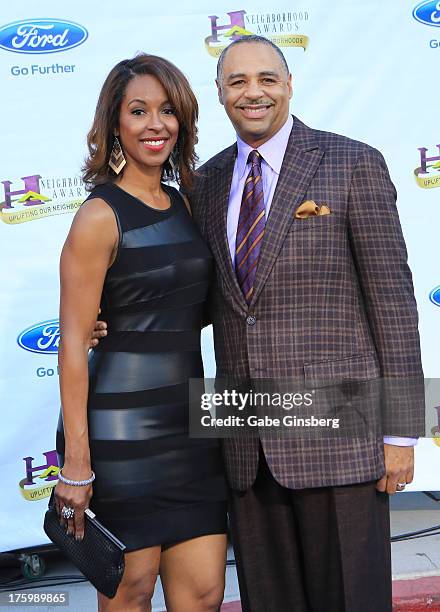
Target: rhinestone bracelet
x=76, y=483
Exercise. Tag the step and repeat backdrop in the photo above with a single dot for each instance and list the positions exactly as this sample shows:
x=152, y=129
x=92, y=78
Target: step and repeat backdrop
x=368, y=70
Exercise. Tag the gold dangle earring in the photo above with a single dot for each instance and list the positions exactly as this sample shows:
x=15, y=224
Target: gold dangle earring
x=117, y=160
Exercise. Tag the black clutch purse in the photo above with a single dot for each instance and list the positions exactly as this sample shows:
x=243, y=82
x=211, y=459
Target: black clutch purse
x=99, y=555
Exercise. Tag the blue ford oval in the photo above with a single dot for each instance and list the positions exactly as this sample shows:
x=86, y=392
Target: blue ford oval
x=41, y=36
x=434, y=296
x=41, y=338
x=428, y=12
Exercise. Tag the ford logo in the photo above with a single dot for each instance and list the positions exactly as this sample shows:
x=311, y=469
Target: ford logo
x=428, y=12
x=434, y=296
x=41, y=36
x=41, y=338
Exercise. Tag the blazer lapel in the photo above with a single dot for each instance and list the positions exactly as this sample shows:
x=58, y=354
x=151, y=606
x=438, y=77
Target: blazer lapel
x=220, y=186
x=300, y=163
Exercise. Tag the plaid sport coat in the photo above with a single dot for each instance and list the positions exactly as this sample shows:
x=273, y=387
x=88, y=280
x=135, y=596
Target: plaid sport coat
x=333, y=300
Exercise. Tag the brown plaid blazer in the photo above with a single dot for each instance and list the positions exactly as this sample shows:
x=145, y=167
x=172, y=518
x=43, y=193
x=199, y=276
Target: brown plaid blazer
x=333, y=300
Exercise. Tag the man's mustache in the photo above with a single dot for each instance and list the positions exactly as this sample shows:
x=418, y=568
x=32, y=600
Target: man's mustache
x=256, y=103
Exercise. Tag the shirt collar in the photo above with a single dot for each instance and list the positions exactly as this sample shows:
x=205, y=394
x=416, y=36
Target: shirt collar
x=272, y=151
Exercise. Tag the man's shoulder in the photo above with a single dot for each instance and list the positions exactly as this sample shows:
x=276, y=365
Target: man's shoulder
x=334, y=143
x=339, y=140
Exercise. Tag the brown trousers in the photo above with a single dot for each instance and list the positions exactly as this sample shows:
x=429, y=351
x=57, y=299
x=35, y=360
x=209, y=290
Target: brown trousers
x=311, y=550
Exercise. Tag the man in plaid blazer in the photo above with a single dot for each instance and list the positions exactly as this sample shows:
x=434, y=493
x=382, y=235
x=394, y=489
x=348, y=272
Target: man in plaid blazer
x=331, y=302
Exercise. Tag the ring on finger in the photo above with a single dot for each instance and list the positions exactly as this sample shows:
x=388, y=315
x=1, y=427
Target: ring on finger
x=67, y=512
x=401, y=485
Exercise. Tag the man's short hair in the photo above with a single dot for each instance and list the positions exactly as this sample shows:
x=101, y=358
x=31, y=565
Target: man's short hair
x=252, y=38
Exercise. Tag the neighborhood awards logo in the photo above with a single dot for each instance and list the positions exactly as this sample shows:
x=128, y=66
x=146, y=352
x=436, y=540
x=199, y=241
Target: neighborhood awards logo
x=34, y=197
x=39, y=479
x=281, y=28
x=428, y=173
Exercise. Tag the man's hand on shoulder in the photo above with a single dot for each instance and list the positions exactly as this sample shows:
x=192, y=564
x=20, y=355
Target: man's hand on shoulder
x=399, y=468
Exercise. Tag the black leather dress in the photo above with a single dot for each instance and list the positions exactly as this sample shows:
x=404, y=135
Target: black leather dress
x=154, y=484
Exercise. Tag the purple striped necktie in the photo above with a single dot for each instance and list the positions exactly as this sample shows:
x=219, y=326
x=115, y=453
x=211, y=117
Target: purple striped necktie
x=250, y=230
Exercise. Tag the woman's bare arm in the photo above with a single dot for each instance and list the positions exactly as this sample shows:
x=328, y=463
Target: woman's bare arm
x=86, y=256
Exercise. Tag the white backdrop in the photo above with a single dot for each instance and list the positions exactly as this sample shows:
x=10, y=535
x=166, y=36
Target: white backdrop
x=368, y=70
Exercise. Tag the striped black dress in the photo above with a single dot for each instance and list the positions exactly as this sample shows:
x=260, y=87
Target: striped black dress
x=154, y=485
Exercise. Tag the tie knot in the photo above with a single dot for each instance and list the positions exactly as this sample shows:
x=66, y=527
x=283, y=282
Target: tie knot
x=254, y=158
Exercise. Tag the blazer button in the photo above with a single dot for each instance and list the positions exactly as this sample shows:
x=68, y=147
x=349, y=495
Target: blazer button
x=251, y=320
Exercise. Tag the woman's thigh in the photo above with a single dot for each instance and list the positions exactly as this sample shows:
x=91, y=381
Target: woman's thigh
x=193, y=573
x=137, y=585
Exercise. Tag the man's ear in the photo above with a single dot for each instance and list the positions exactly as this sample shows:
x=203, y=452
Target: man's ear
x=219, y=92
x=290, y=86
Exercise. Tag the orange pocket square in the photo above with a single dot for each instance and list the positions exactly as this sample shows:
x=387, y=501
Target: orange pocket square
x=309, y=208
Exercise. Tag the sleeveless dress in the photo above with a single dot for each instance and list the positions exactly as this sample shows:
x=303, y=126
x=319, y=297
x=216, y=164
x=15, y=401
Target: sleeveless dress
x=154, y=484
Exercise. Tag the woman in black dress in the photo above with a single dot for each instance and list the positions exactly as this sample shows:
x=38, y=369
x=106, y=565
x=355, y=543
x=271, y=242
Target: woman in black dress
x=134, y=252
